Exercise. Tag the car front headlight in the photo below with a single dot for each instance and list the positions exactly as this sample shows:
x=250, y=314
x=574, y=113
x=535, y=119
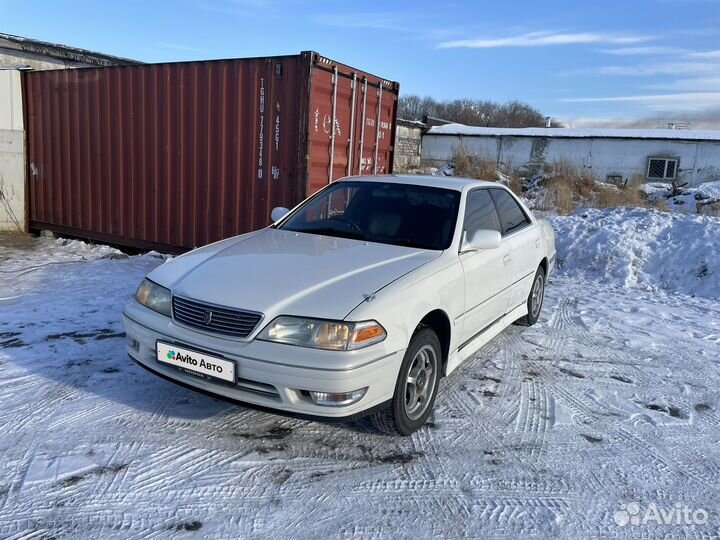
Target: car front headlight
x=153, y=296
x=321, y=334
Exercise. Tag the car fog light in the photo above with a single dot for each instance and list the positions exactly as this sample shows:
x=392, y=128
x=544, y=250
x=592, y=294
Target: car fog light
x=134, y=344
x=327, y=399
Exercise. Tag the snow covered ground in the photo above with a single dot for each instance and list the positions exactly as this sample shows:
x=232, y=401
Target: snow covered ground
x=636, y=247
x=687, y=201
x=573, y=428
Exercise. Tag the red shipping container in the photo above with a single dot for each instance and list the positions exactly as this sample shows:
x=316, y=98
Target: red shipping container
x=175, y=156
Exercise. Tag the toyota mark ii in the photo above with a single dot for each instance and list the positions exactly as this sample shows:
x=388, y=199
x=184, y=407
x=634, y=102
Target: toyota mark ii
x=357, y=301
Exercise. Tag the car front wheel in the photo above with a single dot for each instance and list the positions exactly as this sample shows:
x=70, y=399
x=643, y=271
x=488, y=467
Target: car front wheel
x=416, y=387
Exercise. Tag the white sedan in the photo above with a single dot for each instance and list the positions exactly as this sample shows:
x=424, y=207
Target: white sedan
x=355, y=302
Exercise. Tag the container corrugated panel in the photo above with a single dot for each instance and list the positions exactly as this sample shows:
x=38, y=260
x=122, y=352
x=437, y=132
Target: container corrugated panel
x=361, y=137
x=174, y=156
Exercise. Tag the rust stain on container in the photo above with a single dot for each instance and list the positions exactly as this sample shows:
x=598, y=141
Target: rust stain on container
x=174, y=156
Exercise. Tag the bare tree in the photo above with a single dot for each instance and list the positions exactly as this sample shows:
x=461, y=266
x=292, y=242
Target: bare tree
x=473, y=112
x=410, y=107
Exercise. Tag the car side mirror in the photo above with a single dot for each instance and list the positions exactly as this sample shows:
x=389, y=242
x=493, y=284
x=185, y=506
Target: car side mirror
x=278, y=213
x=482, y=239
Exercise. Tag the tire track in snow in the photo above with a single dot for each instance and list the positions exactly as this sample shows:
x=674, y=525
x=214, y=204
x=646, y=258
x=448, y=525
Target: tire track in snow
x=498, y=465
x=535, y=417
x=565, y=316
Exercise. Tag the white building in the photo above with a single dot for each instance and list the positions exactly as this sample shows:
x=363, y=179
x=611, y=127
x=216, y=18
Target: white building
x=12, y=153
x=408, y=141
x=612, y=155
x=25, y=53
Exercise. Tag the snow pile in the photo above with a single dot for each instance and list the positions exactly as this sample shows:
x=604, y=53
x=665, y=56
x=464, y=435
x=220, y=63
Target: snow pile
x=640, y=248
x=447, y=170
x=37, y=251
x=685, y=199
x=24, y=261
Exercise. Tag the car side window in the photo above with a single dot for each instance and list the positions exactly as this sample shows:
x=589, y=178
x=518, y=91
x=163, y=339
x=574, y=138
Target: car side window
x=512, y=216
x=480, y=213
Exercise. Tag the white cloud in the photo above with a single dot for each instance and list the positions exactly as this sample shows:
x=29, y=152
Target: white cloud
x=611, y=122
x=546, y=38
x=709, y=119
x=706, y=54
x=686, y=101
x=661, y=68
x=642, y=51
x=698, y=84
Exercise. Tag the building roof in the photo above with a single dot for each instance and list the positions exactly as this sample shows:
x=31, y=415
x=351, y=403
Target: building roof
x=435, y=121
x=572, y=133
x=411, y=123
x=62, y=52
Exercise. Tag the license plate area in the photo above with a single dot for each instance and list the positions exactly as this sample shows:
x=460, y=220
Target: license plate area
x=196, y=363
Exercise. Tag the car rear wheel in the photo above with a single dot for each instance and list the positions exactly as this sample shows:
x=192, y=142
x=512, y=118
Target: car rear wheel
x=535, y=299
x=416, y=387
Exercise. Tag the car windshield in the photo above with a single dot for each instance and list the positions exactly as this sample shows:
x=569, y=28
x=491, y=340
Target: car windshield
x=384, y=212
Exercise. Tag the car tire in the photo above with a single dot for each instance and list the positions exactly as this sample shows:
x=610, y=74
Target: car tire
x=416, y=387
x=535, y=299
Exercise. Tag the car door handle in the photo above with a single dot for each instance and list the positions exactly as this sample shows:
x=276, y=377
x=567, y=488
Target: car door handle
x=507, y=260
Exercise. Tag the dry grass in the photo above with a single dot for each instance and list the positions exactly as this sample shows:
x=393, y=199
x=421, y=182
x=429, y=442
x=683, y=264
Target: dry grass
x=611, y=197
x=569, y=187
x=712, y=209
x=630, y=194
x=473, y=166
x=515, y=184
x=565, y=188
x=469, y=165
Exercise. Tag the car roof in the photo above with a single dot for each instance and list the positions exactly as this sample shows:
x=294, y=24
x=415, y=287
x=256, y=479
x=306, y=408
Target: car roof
x=447, y=182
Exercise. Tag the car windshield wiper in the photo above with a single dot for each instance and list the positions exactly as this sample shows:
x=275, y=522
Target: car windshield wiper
x=330, y=231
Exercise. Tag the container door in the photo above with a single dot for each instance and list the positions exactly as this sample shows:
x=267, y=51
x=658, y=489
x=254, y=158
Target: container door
x=351, y=125
x=331, y=121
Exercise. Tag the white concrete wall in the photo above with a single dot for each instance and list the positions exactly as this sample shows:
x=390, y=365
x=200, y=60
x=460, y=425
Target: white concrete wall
x=12, y=153
x=699, y=161
x=408, y=141
x=12, y=180
x=11, y=113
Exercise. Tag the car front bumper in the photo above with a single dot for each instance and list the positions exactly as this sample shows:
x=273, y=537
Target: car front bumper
x=270, y=375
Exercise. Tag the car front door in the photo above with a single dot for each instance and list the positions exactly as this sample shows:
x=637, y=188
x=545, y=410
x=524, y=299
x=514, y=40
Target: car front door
x=518, y=237
x=488, y=272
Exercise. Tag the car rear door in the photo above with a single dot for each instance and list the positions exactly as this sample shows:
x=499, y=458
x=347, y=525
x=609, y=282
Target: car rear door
x=518, y=236
x=488, y=272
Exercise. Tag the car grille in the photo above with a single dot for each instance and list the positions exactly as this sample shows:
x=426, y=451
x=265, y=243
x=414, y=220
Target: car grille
x=217, y=319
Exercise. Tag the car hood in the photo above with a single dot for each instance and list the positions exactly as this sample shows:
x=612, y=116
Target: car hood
x=283, y=272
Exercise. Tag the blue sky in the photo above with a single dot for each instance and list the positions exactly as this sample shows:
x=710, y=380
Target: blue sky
x=578, y=60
